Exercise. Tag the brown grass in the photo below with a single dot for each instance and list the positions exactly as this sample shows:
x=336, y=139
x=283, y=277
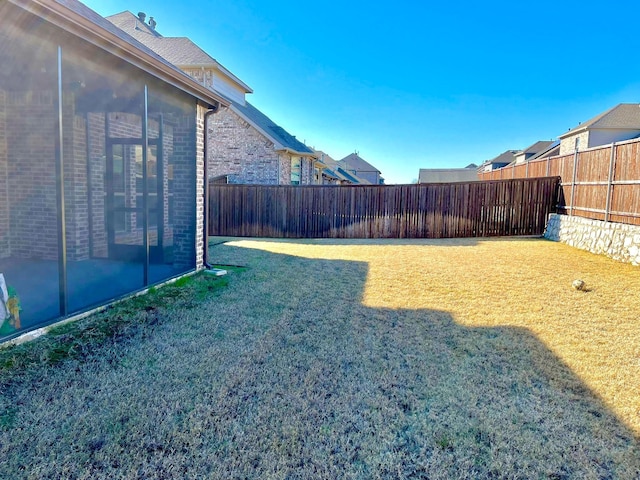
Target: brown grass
x=348, y=359
x=516, y=283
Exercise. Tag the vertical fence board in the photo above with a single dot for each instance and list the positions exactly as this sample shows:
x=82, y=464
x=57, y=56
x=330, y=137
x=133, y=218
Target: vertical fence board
x=501, y=207
x=605, y=186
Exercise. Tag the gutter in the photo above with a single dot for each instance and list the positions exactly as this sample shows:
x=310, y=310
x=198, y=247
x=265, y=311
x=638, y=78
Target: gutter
x=295, y=152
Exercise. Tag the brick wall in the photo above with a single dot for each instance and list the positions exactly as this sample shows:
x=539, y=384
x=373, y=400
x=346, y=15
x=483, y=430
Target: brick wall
x=284, y=159
x=307, y=171
x=75, y=183
x=31, y=174
x=306, y=167
x=28, y=179
x=568, y=145
x=4, y=186
x=244, y=155
x=163, y=174
x=199, y=184
x=205, y=77
x=28, y=203
x=97, y=153
x=76, y=170
x=188, y=200
x=238, y=150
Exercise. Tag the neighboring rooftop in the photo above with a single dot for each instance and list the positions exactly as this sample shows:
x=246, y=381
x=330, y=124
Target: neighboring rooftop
x=448, y=175
x=91, y=25
x=335, y=171
x=504, y=158
x=179, y=51
x=357, y=163
x=552, y=149
x=183, y=53
x=625, y=116
x=283, y=139
x=536, y=147
x=528, y=153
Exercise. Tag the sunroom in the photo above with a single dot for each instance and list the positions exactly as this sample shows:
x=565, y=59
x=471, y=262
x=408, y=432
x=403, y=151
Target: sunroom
x=101, y=164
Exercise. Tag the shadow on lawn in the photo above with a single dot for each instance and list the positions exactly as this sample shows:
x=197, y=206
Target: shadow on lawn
x=407, y=393
x=286, y=374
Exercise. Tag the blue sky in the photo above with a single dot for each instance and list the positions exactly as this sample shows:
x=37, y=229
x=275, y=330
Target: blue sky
x=413, y=85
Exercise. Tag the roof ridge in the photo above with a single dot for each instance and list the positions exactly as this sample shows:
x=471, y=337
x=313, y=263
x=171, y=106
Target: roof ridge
x=618, y=116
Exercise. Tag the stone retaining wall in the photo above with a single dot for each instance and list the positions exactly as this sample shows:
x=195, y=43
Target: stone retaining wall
x=616, y=240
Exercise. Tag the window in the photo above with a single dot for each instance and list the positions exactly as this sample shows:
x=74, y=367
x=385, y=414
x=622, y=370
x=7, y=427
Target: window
x=296, y=170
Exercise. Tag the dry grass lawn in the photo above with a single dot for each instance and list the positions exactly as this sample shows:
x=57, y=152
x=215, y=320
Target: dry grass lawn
x=345, y=359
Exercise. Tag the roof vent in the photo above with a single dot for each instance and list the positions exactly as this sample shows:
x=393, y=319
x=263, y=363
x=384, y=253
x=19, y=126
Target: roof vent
x=142, y=16
x=152, y=23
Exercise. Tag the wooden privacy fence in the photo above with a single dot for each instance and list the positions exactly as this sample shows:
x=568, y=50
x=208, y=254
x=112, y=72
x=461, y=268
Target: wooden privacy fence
x=602, y=183
x=474, y=209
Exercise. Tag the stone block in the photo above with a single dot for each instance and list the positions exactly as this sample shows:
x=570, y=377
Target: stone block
x=618, y=241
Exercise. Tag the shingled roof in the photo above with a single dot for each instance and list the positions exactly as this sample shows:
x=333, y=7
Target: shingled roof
x=505, y=158
x=283, y=139
x=447, y=175
x=536, y=147
x=552, y=149
x=182, y=52
x=357, y=163
x=179, y=51
x=625, y=116
x=334, y=170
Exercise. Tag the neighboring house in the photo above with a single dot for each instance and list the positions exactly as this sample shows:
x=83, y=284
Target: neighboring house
x=449, y=175
x=249, y=147
x=243, y=144
x=101, y=162
x=356, y=165
x=552, y=150
x=621, y=122
x=334, y=174
x=500, y=161
x=532, y=151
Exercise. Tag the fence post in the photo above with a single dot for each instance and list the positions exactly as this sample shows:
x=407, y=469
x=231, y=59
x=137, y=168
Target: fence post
x=573, y=182
x=548, y=166
x=612, y=166
x=526, y=171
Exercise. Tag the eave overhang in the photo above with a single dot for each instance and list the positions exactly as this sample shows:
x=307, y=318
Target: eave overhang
x=76, y=24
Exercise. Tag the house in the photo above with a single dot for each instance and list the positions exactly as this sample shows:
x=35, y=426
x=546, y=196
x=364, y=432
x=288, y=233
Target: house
x=449, y=175
x=621, y=122
x=334, y=174
x=101, y=162
x=502, y=160
x=530, y=152
x=356, y=165
x=244, y=144
x=249, y=147
x=552, y=150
